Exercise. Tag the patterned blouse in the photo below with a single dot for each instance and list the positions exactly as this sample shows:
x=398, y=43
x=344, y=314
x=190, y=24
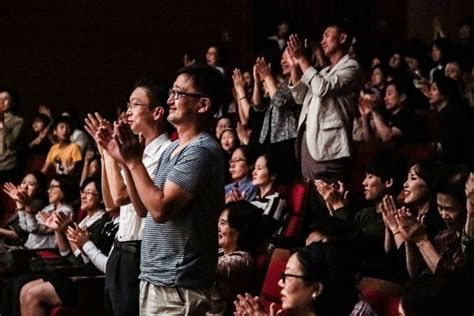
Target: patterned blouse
x=235, y=275
x=281, y=116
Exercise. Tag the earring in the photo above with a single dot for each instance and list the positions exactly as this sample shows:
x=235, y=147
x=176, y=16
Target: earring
x=314, y=296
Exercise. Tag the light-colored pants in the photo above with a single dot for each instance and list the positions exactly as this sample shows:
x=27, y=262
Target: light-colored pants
x=169, y=300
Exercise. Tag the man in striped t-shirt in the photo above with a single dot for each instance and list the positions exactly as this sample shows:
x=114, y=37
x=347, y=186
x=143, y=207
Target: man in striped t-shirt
x=179, y=246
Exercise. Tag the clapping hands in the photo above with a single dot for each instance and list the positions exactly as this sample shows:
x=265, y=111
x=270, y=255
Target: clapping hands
x=246, y=305
x=16, y=194
x=333, y=194
x=78, y=236
x=57, y=221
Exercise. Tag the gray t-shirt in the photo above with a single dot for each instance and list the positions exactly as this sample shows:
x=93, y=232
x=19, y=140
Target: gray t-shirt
x=183, y=250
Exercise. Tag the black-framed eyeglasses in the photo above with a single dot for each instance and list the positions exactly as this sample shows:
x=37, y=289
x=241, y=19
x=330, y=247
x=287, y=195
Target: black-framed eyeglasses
x=132, y=105
x=52, y=186
x=284, y=275
x=175, y=94
x=88, y=193
x=236, y=160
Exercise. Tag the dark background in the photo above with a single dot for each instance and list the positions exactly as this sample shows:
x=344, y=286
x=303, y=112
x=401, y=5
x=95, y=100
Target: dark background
x=86, y=55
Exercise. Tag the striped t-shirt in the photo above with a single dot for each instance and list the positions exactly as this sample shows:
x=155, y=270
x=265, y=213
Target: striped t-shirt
x=183, y=250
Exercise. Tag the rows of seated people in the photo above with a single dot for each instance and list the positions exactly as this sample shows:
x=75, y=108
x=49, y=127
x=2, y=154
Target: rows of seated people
x=403, y=215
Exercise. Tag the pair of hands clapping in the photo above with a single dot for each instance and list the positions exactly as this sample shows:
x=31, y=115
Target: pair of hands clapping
x=402, y=221
x=117, y=140
x=247, y=305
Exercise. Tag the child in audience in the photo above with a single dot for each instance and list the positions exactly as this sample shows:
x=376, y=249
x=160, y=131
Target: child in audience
x=64, y=156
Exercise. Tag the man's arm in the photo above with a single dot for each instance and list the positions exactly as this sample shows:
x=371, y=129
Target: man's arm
x=346, y=76
x=117, y=187
x=162, y=204
x=138, y=205
x=106, y=195
x=385, y=132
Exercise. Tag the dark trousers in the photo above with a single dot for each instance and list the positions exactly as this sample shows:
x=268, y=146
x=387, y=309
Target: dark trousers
x=121, y=279
x=330, y=171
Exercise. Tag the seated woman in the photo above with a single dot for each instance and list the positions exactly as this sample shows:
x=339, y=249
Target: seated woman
x=265, y=179
x=316, y=281
x=239, y=236
x=91, y=203
x=443, y=255
x=29, y=196
x=38, y=296
x=401, y=122
x=61, y=194
x=241, y=186
x=418, y=195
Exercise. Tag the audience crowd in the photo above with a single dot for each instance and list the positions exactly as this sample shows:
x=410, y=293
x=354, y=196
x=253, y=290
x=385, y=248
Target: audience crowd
x=174, y=200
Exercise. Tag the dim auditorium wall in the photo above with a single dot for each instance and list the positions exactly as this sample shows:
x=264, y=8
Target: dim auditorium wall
x=86, y=54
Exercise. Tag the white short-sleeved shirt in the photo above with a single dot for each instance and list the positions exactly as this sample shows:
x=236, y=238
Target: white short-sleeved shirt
x=131, y=225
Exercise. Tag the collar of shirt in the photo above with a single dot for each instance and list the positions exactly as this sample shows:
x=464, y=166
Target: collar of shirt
x=332, y=68
x=153, y=147
x=243, y=183
x=89, y=220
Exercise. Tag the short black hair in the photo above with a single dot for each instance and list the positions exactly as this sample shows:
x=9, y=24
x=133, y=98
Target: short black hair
x=63, y=119
x=386, y=164
x=97, y=183
x=157, y=90
x=14, y=96
x=247, y=220
x=447, y=87
x=208, y=81
x=43, y=118
x=69, y=187
x=343, y=26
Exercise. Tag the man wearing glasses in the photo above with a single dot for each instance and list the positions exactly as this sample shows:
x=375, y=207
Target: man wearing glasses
x=179, y=247
x=146, y=116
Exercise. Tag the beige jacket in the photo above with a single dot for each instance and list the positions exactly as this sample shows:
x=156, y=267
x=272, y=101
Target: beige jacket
x=329, y=99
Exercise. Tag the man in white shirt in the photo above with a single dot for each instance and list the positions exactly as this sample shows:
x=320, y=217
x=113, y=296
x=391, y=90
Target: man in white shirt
x=146, y=116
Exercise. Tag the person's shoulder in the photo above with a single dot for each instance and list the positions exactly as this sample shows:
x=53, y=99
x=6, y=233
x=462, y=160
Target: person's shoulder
x=73, y=146
x=367, y=212
x=205, y=143
x=66, y=208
